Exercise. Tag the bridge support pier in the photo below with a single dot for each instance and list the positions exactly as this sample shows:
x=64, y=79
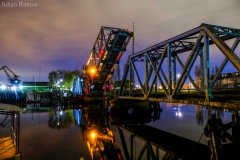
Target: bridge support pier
x=169, y=98
x=146, y=96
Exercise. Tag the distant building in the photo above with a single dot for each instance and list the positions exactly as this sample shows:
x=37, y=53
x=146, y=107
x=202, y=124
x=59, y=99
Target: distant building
x=231, y=80
x=36, y=86
x=225, y=80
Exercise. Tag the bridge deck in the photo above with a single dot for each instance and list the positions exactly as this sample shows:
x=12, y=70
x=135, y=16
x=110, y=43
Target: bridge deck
x=231, y=104
x=7, y=148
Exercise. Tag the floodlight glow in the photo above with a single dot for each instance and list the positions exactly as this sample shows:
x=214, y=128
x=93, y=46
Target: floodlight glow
x=14, y=88
x=3, y=87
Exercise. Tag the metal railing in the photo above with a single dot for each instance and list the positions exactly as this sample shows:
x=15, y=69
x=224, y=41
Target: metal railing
x=13, y=136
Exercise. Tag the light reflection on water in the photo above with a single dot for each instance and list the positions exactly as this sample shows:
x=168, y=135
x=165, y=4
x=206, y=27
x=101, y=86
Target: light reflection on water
x=187, y=121
x=48, y=133
x=51, y=134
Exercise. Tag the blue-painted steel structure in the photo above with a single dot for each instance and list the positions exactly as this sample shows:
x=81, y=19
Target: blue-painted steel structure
x=196, y=44
x=78, y=86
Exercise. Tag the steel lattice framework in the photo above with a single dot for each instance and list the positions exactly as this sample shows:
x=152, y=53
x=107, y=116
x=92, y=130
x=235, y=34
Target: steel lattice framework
x=105, y=55
x=195, y=42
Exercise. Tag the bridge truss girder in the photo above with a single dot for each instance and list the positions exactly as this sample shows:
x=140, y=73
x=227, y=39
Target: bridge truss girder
x=196, y=42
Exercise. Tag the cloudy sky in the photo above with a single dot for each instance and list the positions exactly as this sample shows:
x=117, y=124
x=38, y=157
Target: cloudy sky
x=59, y=34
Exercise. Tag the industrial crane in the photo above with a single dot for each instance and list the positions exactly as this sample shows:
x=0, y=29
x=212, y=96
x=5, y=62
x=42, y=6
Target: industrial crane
x=13, y=80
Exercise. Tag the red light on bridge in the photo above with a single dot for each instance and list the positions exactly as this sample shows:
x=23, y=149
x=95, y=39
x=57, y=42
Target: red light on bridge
x=119, y=157
x=101, y=52
x=119, y=56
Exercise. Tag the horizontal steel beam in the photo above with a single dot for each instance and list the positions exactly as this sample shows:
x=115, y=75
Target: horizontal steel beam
x=171, y=40
x=228, y=33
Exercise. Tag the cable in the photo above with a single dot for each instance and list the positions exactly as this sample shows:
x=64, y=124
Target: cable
x=138, y=45
x=193, y=147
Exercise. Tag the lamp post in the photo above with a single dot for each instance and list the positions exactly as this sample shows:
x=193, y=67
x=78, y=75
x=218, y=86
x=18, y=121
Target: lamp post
x=91, y=73
x=178, y=75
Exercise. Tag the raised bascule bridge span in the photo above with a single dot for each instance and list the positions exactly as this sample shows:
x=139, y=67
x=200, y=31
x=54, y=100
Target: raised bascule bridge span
x=104, y=58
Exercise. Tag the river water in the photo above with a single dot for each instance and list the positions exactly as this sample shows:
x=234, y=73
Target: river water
x=187, y=121
x=57, y=134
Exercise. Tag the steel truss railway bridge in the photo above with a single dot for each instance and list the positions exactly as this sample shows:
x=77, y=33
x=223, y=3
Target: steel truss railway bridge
x=159, y=62
x=196, y=44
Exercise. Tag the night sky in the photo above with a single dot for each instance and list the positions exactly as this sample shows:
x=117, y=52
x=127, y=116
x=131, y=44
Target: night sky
x=59, y=34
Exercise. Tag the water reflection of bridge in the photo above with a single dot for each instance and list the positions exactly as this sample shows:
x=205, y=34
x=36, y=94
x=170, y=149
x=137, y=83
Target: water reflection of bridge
x=155, y=140
x=112, y=136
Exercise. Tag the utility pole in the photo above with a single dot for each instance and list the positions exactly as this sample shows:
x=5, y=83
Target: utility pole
x=34, y=83
x=39, y=73
x=131, y=74
x=133, y=40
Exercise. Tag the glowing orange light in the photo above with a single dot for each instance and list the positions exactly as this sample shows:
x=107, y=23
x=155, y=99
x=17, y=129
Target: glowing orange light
x=93, y=70
x=93, y=135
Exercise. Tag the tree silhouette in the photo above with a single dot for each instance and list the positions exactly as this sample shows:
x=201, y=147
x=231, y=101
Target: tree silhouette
x=63, y=78
x=57, y=121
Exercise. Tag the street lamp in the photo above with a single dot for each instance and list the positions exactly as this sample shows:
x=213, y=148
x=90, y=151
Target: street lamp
x=92, y=71
x=178, y=75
